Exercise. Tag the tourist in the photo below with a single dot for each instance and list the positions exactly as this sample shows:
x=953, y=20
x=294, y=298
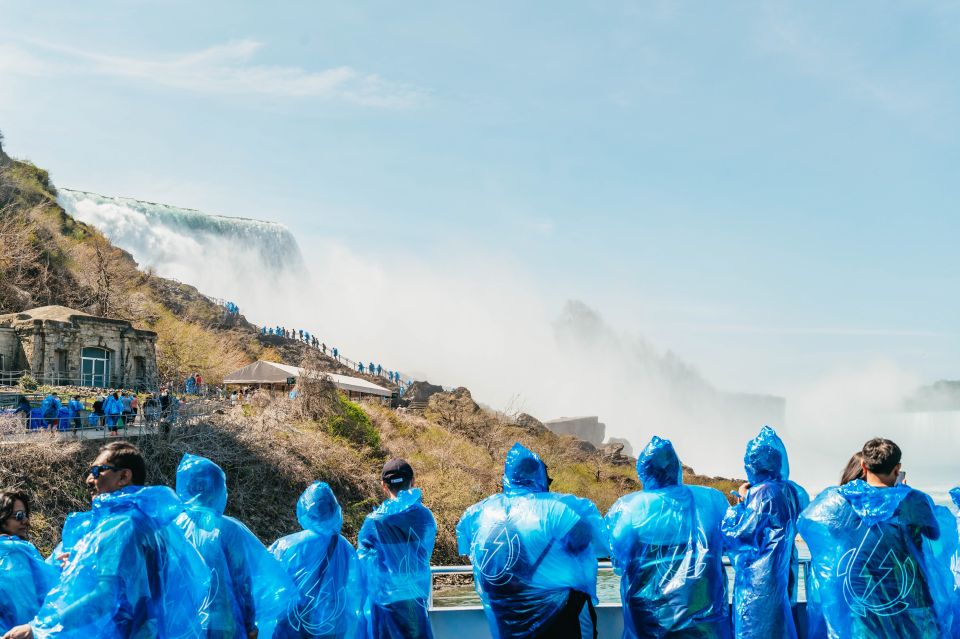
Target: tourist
x=98, y=411
x=326, y=571
x=23, y=408
x=113, y=409
x=666, y=544
x=164, y=402
x=854, y=469
x=759, y=534
x=394, y=547
x=133, y=574
x=134, y=407
x=127, y=400
x=76, y=407
x=360, y=367
x=25, y=578
x=323, y=348
x=50, y=408
x=151, y=409
x=880, y=553
x=198, y=380
x=534, y=555
x=379, y=369
x=249, y=590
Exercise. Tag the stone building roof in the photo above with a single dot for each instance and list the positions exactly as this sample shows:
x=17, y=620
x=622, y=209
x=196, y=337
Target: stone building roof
x=60, y=314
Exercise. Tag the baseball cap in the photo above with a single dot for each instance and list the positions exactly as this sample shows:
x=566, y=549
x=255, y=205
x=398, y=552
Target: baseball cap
x=396, y=471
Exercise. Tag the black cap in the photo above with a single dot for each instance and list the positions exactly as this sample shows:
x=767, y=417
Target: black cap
x=396, y=471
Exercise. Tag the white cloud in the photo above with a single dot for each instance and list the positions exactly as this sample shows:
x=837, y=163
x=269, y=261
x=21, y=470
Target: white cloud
x=227, y=68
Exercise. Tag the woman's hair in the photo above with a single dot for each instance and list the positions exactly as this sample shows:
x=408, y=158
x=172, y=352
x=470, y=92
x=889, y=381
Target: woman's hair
x=8, y=499
x=853, y=470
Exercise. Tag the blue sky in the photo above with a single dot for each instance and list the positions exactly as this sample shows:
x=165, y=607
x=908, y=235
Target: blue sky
x=770, y=189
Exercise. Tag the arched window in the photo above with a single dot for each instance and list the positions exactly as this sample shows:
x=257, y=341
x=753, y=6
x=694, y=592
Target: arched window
x=95, y=367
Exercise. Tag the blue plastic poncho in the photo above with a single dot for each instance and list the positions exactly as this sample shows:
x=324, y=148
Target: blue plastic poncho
x=394, y=548
x=881, y=559
x=75, y=526
x=759, y=535
x=50, y=406
x=666, y=545
x=326, y=571
x=531, y=549
x=132, y=575
x=25, y=580
x=248, y=587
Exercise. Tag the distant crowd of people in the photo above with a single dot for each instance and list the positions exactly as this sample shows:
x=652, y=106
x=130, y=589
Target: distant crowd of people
x=370, y=368
x=111, y=411
x=884, y=557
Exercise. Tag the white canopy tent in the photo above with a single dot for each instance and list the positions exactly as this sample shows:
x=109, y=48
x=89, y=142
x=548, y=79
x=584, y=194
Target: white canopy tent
x=262, y=372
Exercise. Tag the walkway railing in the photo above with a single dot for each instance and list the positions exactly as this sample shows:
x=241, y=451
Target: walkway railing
x=12, y=378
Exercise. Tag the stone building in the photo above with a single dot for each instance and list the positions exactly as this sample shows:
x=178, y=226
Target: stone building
x=59, y=345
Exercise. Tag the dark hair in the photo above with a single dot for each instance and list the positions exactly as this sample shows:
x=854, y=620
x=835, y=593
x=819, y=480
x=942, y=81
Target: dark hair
x=881, y=456
x=7, y=500
x=125, y=455
x=853, y=470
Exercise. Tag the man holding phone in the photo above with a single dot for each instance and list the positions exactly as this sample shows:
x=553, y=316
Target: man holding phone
x=877, y=550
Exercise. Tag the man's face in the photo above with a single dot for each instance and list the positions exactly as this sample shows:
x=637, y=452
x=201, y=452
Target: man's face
x=10, y=525
x=109, y=480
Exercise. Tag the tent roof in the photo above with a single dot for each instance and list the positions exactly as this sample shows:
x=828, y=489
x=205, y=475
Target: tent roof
x=264, y=372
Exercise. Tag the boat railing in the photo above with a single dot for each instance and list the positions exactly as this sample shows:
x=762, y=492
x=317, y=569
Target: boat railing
x=608, y=566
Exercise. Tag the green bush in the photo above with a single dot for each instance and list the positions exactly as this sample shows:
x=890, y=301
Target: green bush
x=28, y=383
x=353, y=425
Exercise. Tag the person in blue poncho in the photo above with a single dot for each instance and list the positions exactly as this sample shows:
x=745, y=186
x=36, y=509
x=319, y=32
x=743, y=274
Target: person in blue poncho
x=880, y=553
x=534, y=555
x=666, y=544
x=113, y=409
x=759, y=535
x=326, y=571
x=50, y=408
x=249, y=589
x=132, y=575
x=394, y=548
x=25, y=578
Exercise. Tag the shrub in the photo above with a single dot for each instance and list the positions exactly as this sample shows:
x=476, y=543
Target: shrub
x=28, y=383
x=353, y=425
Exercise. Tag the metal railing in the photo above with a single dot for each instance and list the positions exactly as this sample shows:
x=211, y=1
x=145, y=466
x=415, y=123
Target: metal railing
x=146, y=420
x=802, y=589
x=55, y=378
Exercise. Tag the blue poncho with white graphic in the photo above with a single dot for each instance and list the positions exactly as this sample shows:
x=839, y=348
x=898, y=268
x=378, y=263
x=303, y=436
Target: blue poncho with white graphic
x=133, y=574
x=759, y=535
x=394, y=548
x=25, y=580
x=666, y=544
x=248, y=588
x=530, y=548
x=881, y=558
x=324, y=568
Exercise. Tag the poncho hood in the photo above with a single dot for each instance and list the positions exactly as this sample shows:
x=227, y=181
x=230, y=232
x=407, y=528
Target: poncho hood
x=872, y=504
x=318, y=510
x=524, y=472
x=405, y=500
x=158, y=504
x=658, y=465
x=201, y=484
x=766, y=458
x=955, y=495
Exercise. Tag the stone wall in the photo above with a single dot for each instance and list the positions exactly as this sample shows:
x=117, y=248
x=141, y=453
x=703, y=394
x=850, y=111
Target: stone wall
x=588, y=429
x=52, y=349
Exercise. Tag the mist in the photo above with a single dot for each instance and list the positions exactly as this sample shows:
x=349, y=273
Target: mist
x=480, y=322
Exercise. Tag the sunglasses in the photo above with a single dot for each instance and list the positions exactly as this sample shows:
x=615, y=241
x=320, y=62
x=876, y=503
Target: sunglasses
x=97, y=470
x=21, y=515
